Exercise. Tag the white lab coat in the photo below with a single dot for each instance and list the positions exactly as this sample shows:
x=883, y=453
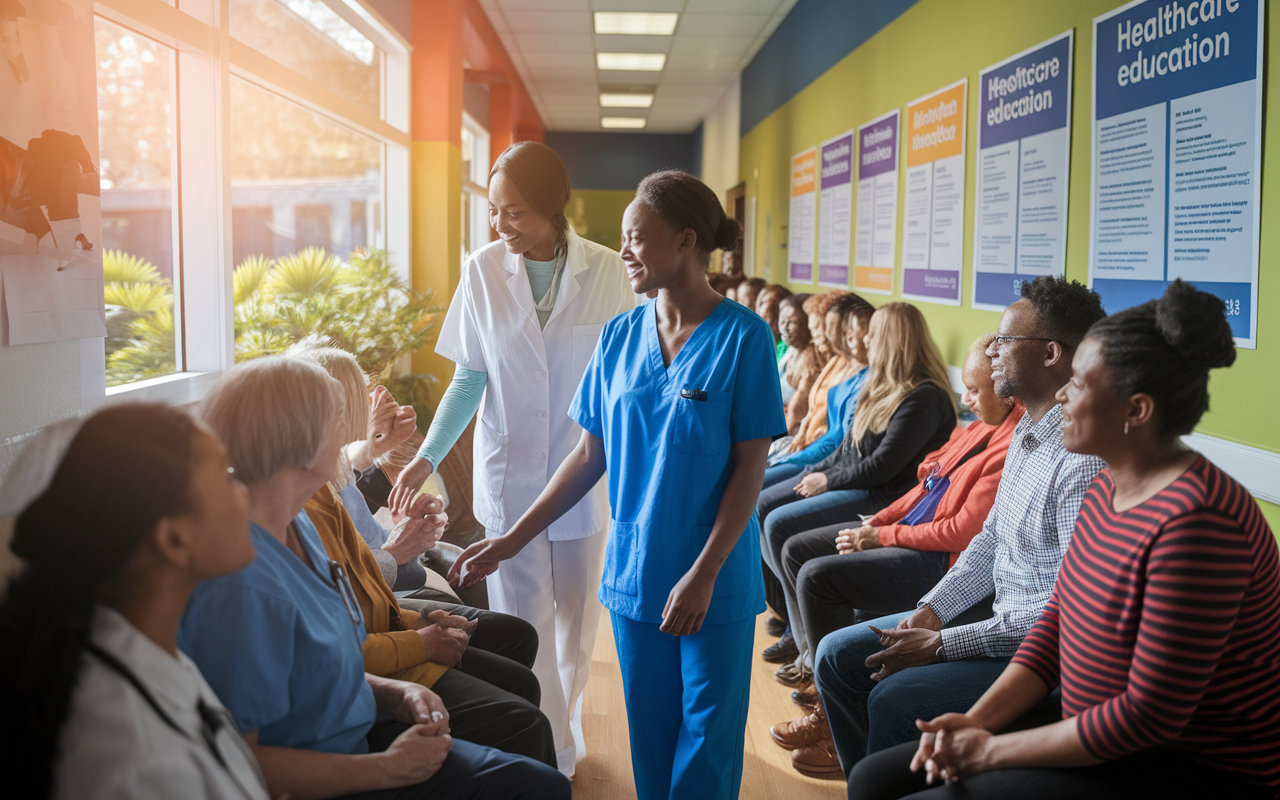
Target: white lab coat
x=524, y=431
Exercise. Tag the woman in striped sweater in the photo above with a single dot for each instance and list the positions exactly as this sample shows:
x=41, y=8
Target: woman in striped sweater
x=1162, y=629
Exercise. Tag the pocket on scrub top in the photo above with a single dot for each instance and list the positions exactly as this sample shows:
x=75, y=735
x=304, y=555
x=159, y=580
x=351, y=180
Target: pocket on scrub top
x=622, y=558
x=585, y=338
x=493, y=461
x=702, y=426
x=733, y=578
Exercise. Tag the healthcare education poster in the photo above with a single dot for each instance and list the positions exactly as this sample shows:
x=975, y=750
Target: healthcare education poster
x=933, y=217
x=877, y=205
x=835, y=210
x=1177, y=123
x=803, y=212
x=1024, y=158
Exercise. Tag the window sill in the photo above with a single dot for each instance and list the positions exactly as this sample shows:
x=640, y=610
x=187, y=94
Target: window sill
x=179, y=389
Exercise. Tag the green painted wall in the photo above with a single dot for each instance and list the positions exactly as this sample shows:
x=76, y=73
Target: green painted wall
x=938, y=42
x=596, y=214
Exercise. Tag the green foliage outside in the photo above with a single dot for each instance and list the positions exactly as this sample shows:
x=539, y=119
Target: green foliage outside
x=361, y=305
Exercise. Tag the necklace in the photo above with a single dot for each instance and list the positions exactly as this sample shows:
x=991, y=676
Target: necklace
x=548, y=300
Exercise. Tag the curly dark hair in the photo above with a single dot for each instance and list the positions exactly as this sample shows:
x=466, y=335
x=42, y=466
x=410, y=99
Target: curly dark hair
x=685, y=202
x=1065, y=309
x=1165, y=348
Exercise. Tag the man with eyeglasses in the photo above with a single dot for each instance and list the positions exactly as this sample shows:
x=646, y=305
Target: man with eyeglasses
x=876, y=679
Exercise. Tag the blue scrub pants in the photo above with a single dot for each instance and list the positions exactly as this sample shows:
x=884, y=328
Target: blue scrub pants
x=687, y=702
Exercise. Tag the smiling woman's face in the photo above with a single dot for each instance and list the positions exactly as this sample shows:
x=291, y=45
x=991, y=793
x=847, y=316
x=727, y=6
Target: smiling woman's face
x=1093, y=414
x=521, y=229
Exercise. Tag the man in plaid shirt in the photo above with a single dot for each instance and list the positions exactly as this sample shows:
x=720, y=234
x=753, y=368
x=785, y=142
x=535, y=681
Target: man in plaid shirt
x=876, y=679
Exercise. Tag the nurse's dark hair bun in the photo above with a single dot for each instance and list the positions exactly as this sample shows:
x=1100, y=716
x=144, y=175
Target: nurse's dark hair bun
x=686, y=203
x=1194, y=323
x=1165, y=348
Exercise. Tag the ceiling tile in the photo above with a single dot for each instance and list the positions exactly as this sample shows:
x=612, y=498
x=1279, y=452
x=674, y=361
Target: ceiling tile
x=559, y=62
x=549, y=21
x=712, y=45
x=633, y=44
x=702, y=62
x=637, y=5
x=614, y=77
x=731, y=6
x=570, y=87
x=555, y=43
x=544, y=5
x=698, y=77
x=692, y=91
x=722, y=25
x=547, y=75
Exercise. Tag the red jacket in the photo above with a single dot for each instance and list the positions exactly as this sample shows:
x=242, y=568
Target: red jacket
x=966, y=503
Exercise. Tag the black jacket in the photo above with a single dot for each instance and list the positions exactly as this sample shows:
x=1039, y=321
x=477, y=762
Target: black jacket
x=885, y=463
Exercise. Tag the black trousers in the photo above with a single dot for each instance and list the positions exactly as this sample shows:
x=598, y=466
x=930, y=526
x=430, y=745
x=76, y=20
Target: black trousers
x=493, y=695
x=472, y=772
x=1156, y=774
x=830, y=587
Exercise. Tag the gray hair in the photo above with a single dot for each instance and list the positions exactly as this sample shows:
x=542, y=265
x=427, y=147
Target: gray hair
x=273, y=413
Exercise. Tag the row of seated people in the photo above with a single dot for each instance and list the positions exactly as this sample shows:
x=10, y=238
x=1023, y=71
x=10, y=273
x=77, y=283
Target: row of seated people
x=333, y=686
x=1062, y=571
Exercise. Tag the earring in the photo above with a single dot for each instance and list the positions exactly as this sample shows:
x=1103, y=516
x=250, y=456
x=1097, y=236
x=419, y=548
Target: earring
x=1126, y=427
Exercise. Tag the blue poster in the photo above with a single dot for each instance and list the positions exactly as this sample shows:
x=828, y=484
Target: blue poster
x=1177, y=124
x=1024, y=160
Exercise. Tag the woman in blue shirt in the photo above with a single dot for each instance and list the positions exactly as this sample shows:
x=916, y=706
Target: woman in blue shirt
x=679, y=404
x=842, y=399
x=280, y=640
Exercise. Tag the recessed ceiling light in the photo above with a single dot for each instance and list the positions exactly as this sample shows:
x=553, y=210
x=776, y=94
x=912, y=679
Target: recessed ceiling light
x=626, y=100
x=636, y=62
x=622, y=122
x=635, y=23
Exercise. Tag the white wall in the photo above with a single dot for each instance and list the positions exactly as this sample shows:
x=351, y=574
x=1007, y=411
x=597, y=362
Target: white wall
x=42, y=383
x=720, y=141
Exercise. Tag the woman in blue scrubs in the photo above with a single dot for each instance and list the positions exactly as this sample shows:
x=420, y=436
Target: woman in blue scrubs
x=678, y=404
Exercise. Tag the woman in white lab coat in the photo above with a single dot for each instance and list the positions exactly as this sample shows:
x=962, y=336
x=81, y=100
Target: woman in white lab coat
x=521, y=328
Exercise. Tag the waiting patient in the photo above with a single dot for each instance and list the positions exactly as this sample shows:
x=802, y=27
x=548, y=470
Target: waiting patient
x=888, y=563
x=876, y=679
x=280, y=640
x=905, y=411
x=118, y=518
x=1161, y=632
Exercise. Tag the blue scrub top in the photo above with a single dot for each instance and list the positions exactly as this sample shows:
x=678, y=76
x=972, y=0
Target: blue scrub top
x=668, y=455
x=281, y=648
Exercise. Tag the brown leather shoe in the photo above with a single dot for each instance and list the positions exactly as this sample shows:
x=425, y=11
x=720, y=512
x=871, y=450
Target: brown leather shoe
x=803, y=732
x=808, y=700
x=793, y=676
x=818, y=761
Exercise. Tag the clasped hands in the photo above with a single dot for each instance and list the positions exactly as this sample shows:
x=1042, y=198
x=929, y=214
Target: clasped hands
x=447, y=637
x=852, y=540
x=418, y=530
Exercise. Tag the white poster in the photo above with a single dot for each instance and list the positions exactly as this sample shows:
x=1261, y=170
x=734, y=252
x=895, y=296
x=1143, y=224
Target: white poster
x=877, y=205
x=835, y=210
x=803, y=217
x=933, y=214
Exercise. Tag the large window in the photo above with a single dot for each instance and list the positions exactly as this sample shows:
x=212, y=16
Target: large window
x=475, y=182
x=224, y=175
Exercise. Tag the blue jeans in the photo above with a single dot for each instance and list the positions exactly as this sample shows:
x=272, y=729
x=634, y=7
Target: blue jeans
x=781, y=472
x=866, y=716
x=783, y=514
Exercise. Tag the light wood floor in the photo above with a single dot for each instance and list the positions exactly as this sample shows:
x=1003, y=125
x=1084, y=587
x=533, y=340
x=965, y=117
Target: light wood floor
x=605, y=774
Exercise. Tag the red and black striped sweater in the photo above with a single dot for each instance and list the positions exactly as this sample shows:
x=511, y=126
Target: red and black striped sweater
x=1164, y=626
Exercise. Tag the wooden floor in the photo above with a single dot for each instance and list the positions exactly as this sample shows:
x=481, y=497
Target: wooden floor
x=605, y=774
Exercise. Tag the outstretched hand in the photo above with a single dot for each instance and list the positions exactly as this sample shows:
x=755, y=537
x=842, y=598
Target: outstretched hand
x=408, y=484
x=481, y=560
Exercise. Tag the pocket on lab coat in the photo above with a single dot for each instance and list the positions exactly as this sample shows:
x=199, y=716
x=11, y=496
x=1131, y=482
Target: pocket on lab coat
x=702, y=426
x=733, y=578
x=585, y=338
x=493, y=464
x=622, y=558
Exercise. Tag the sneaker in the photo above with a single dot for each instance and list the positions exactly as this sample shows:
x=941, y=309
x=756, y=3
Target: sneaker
x=804, y=732
x=818, y=760
x=794, y=676
x=783, y=651
x=775, y=626
x=806, y=700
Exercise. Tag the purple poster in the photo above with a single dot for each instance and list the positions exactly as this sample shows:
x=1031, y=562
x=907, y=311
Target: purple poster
x=835, y=210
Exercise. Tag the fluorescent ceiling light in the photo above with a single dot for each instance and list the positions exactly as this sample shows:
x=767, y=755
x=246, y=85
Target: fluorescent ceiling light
x=636, y=62
x=635, y=23
x=608, y=100
x=622, y=122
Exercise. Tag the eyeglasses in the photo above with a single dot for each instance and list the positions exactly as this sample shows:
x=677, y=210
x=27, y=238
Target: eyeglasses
x=1006, y=339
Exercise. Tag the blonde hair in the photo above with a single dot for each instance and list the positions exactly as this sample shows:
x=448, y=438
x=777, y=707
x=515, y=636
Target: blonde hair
x=902, y=358
x=342, y=367
x=272, y=413
x=979, y=348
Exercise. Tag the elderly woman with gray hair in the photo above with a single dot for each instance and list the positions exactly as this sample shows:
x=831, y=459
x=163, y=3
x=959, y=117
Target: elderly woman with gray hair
x=280, y=641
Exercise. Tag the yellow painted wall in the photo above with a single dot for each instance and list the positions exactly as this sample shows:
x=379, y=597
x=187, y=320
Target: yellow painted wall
x=437, y=235
x=938, y=42
x=596, y=214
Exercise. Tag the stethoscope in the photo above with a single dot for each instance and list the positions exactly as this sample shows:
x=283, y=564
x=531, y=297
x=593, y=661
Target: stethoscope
x=212, y=718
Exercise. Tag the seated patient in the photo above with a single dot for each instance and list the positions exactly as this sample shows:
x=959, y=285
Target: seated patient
x=829, y=334
x=850, y=318
x=887, y=564
x=491, y=700
x=793, y=330
x=118, y=517
x=875, y=680
x=814, y=308
x=905, y=411
x=280, y=640
x=768, y=305
x=1162, y=631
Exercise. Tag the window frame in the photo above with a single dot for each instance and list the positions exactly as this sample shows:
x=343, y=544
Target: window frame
x=207, y=58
